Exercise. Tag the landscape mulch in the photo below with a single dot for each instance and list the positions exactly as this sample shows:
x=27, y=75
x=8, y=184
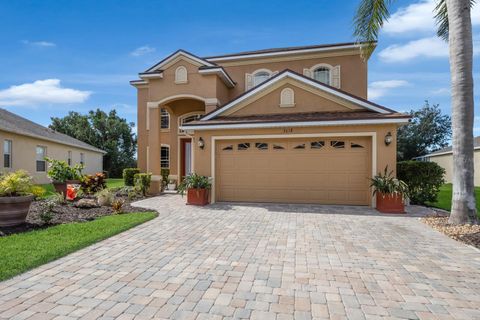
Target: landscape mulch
x=469, y=234
x=64, y=213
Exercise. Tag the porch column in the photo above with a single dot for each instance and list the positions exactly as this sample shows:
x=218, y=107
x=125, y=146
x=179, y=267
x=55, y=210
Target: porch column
x=154, y=147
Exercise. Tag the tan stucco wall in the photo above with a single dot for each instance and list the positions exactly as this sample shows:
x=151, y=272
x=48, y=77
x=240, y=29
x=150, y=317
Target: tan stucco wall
x=24, y=155
x=386, y=155
x=305, y=101
x=142, y=134
x=446, y=162
x=353, y=70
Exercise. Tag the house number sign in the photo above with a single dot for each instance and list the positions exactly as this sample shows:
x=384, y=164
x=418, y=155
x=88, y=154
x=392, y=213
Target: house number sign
x=287, y=130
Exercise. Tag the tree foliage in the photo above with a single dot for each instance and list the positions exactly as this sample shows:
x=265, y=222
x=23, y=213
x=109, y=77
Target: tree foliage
x=106, y=131
x=428, y=131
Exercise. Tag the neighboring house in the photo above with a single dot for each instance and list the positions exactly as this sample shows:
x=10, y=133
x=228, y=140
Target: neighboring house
x=444, y=159
x=276, y=125
x=25, y=145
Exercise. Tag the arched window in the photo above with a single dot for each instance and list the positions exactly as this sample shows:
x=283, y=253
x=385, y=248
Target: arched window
x=287, y=98
x=322, y=74
x=181, y=75
x=260, y=77
x=164, y=119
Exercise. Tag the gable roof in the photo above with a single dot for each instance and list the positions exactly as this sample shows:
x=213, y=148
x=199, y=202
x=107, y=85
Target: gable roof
x=285, y=51
x=180, y=52
x=448, y=150
x=303, y=79
x=13, y=123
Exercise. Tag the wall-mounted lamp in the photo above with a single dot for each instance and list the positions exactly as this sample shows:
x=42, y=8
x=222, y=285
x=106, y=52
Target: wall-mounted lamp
x=201, y=143
x=388, y=138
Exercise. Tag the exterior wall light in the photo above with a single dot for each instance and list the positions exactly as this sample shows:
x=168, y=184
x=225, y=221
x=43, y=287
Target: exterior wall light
x=388, y=138
x=201, y=143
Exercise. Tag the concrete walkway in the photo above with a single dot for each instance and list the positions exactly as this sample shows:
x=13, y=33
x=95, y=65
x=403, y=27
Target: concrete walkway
x=259, y=262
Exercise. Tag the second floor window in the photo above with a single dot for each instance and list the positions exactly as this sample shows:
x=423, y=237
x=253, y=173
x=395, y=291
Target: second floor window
x=260, y=77
x=41, y=153
x=165, y=157
x=7, y=153
x=322, y=74
x=164, y=119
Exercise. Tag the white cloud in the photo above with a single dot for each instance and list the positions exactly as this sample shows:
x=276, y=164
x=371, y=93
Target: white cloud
x=44, y=44
x=431, y=47
x=140, y=51
x=441, y=92
x=419, y=17
x=379, y=89
x=47, y=91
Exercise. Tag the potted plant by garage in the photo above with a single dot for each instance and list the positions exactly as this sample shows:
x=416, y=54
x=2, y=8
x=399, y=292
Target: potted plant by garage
x=16, y=195
x=62, y=174
x=197, y=188
x=390, y=191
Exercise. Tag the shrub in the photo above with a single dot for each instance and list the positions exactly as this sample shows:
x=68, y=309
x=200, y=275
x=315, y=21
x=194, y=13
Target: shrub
x=194, y=181
x=38, y=191
x=128, y=174
x=165, y=173
x=385, y=183
x=91, y=184
x=117, y=205
x=142, y=182
x=60, y=171
x=46, y=214
x=57, y=199
x=14, y=184
x=424, y=180
x=105, y=197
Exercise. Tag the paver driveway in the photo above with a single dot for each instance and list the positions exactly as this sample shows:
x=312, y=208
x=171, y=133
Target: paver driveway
x=259, y=262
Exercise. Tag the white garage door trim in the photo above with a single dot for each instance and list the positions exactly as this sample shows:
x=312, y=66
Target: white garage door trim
x=373, y=135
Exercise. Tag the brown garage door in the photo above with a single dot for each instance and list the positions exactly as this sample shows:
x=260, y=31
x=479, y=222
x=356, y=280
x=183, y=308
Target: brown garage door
x=314, y=170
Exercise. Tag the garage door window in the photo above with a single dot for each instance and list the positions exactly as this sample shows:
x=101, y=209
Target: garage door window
x=261, y=146
x=354, y=145
x=317, y=144
x=243, y=146
x=337, y=144
x=300, y=146
x=228, y=148
x=278, y=147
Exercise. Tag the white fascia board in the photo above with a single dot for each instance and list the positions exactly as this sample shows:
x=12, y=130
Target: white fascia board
x=282, y=53
x=221, y=73
x=157, y=75
x=180, y=53
x=136, y=83
x=303, y=80
x=293, y=124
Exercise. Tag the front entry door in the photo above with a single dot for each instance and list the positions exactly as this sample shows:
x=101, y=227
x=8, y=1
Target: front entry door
x=186, y=157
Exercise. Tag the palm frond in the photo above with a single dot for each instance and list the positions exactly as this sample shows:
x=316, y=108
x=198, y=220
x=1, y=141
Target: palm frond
x=441, y=18
x=369, y=19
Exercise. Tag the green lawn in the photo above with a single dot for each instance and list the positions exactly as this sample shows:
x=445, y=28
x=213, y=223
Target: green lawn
x=444, y=200
x=24, y=251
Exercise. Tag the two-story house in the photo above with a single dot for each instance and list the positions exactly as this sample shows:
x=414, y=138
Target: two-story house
x=278, y=125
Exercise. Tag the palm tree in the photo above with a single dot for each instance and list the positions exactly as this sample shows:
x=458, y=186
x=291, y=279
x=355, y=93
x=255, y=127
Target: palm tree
x=455, y=26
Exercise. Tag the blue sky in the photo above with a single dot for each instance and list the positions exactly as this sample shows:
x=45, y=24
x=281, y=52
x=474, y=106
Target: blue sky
x=58, y=56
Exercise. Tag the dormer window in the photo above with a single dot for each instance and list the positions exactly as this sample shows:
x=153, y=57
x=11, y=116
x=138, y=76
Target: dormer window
x=257, y=77
x=322, y=74
x=181, y=75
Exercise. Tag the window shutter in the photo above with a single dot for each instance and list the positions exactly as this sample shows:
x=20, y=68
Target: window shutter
x=248, y=81
x=336, y=77
x=307, y=73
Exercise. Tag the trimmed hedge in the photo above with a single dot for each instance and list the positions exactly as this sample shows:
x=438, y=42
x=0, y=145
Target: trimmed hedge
x=165, y=173
x=424, y=180
x=142, y=181
x=128, y=176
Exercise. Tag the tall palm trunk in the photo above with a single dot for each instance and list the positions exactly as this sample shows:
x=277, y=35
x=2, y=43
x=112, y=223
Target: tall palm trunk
x=461, y=59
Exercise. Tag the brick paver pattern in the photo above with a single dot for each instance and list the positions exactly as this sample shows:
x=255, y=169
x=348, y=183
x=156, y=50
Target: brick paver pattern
x=264, y=262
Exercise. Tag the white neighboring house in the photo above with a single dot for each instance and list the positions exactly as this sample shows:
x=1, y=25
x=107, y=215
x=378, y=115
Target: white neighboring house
x=25, y=144
x=444, y=158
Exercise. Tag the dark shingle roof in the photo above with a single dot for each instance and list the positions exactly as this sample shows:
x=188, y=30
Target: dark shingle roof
x=13, y=123
x=476, y=144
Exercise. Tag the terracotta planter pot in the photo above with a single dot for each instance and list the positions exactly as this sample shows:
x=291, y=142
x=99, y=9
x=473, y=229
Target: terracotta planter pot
x=390, y=203
x=197, y=197
x=60, y=187
x=14, y=210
